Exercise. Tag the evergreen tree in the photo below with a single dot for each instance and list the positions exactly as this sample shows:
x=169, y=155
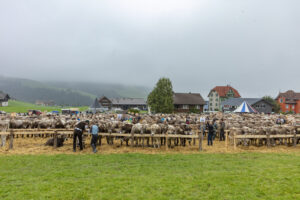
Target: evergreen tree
x=160, y=99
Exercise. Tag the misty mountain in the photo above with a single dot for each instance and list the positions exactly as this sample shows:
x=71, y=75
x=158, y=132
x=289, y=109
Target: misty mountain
x=66, y=93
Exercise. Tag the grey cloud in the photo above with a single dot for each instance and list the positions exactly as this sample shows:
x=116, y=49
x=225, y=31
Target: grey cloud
x=252, y=45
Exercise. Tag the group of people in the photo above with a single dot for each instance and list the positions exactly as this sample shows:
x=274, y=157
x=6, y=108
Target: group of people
x=212, y=127
x=78, y=132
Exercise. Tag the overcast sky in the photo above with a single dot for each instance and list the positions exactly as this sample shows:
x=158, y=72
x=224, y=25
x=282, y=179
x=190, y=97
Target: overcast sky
x=253, y=45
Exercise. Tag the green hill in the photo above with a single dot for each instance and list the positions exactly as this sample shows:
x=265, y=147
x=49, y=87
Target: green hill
x=23, y=107
x=66, y=93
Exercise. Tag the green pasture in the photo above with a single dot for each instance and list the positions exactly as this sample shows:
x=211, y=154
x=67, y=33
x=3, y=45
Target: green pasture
x=142, y=176
x=22, y=107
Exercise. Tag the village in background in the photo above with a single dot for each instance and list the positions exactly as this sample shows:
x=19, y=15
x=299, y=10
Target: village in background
x=220, y=98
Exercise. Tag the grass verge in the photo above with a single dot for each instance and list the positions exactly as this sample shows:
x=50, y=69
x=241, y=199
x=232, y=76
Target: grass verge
x=142, y=176
x=23, y=107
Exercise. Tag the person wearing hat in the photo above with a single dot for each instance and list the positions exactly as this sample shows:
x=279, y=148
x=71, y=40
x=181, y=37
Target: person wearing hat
x=78, y=131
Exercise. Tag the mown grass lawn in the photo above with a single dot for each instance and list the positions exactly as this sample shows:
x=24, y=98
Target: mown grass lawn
x=142, y=176
x=23, y=107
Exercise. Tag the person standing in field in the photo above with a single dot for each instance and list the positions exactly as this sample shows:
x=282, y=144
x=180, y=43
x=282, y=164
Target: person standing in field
x=94, y=131
x=210, y=129
x=222, y=130
x=215, y=126
x=202, y=125
x=78, y=131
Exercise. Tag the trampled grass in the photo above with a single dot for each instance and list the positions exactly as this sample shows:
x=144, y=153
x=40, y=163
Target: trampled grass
x=23, y=107
x=159, y=176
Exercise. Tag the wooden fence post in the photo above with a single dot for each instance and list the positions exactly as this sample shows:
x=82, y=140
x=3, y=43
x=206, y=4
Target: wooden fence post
x=200, y=135
x=132, y=139
x=55, y=139
x=234, y=140
x=268, y=139
x=226, y=140
x=11, y=139
x=295, y=137
x=167, y=140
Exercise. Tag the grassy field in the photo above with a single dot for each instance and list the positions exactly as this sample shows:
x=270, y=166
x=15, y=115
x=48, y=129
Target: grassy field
x=159, y=176
x=22, y=107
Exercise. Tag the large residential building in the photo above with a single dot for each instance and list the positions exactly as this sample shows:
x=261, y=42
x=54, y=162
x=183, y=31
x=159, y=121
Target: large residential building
x=259, y=104
x=186, y=102
x=123, y=103
x=289, y=101
x=4, y=99
x=220, y=94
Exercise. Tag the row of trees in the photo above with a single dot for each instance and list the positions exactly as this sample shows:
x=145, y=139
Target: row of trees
x=160, y=99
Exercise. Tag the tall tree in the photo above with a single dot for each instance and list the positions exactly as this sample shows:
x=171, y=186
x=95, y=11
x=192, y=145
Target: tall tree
x=160, y=99
x=273, y=102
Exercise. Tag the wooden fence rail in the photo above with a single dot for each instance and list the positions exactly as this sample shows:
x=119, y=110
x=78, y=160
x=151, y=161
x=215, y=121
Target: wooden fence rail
x=295, y=137
x=11, y=133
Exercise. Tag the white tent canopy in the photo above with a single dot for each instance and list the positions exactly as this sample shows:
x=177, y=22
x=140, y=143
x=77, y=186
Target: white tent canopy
x=245, y=108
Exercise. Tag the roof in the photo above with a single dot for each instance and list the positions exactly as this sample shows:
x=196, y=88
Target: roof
x=188, y=99
x=96, y=104
x=239, y=101
x=245, y=108
x=223, y=90
x=128, y=101
x=290, y=96
x=4, y=96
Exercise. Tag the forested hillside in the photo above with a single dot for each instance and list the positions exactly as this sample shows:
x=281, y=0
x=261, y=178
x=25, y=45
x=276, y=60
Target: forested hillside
x=65, y=93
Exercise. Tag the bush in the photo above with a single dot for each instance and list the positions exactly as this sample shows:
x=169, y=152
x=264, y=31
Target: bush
x=133, y=110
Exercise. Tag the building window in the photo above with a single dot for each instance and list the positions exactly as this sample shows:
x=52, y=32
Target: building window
x=281, y=100
x=287, y=106
x=293, y=107
x=210, y=104
x=216, y=104
x=185, y=107
x=197, y=106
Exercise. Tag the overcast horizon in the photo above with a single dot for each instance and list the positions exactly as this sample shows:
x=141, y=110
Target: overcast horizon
x=252, y=45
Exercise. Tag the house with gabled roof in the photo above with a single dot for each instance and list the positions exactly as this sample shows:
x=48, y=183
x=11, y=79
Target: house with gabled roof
x=259, y=104
x=186, y=102
x=289, y=101
x=219, y=94
x=4, y=99
x=123, y=103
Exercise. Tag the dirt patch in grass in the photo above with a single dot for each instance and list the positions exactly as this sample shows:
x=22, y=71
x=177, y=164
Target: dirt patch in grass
x=36, y=146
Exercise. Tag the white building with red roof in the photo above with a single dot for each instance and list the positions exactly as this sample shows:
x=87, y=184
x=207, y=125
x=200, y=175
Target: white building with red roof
x=219, y=94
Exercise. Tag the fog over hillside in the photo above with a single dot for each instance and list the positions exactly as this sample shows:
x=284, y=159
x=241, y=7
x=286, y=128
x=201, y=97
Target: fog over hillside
x=66, y=93
x=252, y=45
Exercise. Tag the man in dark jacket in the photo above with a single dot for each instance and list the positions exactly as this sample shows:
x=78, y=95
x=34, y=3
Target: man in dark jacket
x=222, y=130
x=210, y=129
x=78, y=131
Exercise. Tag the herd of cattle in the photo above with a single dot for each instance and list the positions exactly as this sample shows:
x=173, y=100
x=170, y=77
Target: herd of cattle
x=182, y=124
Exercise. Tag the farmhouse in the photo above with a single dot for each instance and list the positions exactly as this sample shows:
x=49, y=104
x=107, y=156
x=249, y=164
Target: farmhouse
x=289, y=101
x=219, y=94
x=45, y=103
x=4, y=99
x=123, y=103
x=259, y=104
x=185, y=102
x=128, y=103
x=96, y=107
